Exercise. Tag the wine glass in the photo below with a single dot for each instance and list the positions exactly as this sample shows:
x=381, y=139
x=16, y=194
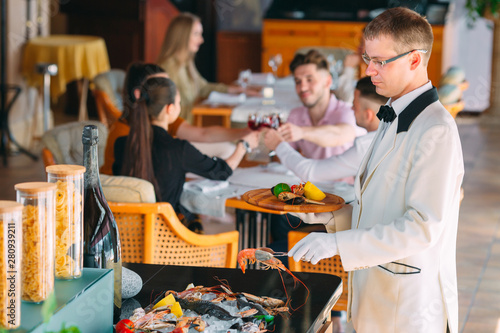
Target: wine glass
x=275, y=62
x=274, y=120
x=254, y=121
x=244, y=78
x=332, y=67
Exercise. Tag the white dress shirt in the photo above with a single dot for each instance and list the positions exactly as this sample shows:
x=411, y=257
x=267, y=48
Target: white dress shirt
x=398, y=105
x=329, y=169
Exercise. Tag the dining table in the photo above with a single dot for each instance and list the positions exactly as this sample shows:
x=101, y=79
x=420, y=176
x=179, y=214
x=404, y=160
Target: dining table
x=281, y=99
x=309, y=307
x=210, y=197
x=76, y=56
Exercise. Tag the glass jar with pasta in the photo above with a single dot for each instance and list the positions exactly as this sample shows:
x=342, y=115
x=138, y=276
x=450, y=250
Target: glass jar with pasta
x=37, y=269
x=69, y=219
x=10, y=264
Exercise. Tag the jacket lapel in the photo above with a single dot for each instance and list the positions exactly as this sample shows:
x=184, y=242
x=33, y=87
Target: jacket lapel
x=384, y=148
x=362, y=168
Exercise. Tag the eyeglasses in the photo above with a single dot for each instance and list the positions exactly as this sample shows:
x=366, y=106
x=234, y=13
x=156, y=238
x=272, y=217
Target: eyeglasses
x=381, y=63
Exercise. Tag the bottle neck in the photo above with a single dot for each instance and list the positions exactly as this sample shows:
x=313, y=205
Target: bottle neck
x=91, y=163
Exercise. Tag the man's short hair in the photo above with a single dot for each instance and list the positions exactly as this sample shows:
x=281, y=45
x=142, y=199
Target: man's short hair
x=408, y=29
x=368, y=90
x=311, y=57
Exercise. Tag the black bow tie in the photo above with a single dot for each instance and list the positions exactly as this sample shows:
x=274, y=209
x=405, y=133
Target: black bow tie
x=386, y=113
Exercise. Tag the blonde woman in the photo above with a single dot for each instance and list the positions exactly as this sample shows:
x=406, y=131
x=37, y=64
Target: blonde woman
x=183, y=39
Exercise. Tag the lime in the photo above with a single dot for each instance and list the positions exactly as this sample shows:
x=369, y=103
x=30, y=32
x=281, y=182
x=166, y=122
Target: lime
x=312, y=192
x=281, y=187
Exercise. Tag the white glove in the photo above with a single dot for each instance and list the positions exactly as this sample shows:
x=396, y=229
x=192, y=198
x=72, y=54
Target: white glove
x=314, y=218
x=314, y=247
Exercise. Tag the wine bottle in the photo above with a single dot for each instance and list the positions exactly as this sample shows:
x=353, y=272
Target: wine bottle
x=101, y=240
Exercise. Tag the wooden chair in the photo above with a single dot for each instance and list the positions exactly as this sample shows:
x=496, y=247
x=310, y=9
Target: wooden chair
x=151, y=233
x=329, y=266
x=107, y=112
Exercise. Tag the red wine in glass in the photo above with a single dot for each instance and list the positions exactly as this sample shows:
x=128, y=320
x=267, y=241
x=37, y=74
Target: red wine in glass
x=254, y=122
x=266, y=122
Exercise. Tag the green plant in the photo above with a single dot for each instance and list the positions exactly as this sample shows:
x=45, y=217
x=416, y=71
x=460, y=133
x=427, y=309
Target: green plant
x=482, y=8
x=71, y=329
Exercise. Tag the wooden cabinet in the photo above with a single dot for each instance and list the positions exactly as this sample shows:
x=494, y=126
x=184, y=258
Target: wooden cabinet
x=133, y=29
x=237, y=51
x=286, y=36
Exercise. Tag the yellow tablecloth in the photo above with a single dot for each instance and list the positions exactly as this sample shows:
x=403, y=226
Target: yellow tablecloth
x=76, y=56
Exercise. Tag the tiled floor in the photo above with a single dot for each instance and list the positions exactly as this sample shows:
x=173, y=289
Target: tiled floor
x=478, y=247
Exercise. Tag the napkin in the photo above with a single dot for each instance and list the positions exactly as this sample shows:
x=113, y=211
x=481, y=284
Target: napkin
x=216, y=97
x=206, y=185
x=342, y=189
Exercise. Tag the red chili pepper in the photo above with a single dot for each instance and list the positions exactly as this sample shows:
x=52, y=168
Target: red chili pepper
x=293, y=188
x=125, y=326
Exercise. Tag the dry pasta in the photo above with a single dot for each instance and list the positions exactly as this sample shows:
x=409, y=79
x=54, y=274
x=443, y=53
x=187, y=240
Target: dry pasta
x=37, y=270
x=68, y=230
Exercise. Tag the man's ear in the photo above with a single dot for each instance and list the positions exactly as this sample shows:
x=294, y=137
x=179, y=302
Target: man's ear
x=369, y=114
x=328, y=79
x=415, y=60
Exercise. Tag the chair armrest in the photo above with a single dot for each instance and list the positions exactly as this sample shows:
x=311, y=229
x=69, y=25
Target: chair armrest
x=164, y=209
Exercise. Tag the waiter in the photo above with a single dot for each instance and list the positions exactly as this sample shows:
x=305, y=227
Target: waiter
x=399, y=241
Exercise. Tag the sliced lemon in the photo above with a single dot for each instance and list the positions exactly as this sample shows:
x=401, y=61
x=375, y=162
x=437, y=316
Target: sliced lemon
x=312, y=192
x=176, y=309
x=169, y=300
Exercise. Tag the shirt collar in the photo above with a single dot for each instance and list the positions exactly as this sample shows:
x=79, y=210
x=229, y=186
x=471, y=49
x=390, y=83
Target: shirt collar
x=401, y=103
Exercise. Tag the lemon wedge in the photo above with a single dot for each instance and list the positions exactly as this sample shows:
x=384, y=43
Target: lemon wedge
x=169, y=300
x=312, y=192
x=176, y=309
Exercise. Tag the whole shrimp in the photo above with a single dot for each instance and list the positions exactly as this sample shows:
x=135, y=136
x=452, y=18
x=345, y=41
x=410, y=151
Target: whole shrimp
x=262, y=255
x=265, y=256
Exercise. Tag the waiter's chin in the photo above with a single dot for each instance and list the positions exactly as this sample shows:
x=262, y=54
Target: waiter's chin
x=381, y=91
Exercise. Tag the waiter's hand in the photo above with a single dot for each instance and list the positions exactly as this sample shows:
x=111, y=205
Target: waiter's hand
x=314, y=247
x=314, y=218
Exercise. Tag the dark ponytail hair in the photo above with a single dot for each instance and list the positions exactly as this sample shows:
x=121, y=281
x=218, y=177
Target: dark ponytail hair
x=137, y=73
x=156, y=93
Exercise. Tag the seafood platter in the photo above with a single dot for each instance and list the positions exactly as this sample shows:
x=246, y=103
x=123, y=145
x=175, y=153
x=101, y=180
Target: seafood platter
x=216, y=308
x=205, y=309
x=301, y=198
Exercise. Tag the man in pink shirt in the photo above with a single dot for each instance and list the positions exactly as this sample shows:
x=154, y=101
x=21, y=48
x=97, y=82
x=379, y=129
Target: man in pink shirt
x=324, y=126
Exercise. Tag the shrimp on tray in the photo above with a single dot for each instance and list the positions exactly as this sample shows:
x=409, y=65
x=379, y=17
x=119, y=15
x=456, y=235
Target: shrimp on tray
x=266, y=257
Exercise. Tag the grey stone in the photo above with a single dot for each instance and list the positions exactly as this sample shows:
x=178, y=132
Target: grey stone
x=128, y=307
x=131, y=283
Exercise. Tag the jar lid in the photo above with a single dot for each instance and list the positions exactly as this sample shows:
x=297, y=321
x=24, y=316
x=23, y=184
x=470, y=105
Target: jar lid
x=35, y=187
x=7, y=206
x=65, y=169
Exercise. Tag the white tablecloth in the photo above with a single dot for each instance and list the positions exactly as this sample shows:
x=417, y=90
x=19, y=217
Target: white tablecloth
x=207, y=202
x=284, y=100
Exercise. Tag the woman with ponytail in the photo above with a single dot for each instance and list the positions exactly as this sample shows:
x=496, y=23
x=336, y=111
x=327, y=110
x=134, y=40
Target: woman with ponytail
x=151, y=153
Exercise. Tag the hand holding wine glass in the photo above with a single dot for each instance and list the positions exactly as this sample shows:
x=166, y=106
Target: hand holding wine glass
x=272, y=139
x=291, y=132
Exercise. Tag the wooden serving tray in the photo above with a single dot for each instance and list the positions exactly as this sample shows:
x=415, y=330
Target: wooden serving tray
x=264, y=198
